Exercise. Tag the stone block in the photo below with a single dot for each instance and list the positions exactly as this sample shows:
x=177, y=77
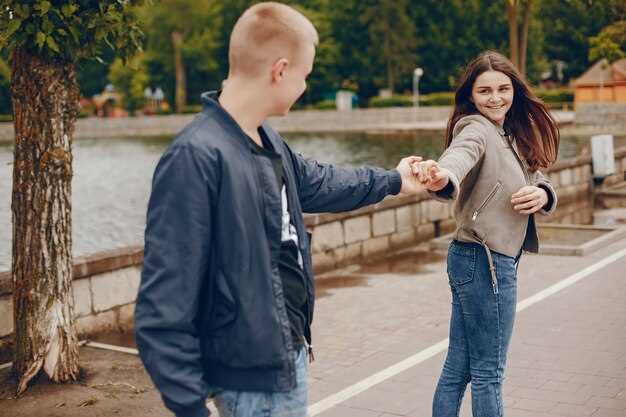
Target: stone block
x=418, y=218
x=327, y=236
x=126, y=317
x=357, y=229
x=438, y=210
x=323, y=261
x=400, y=240
x=96, y=323
x=405, y=218
x=376, y=245
x=566, y=177
x=447, y=226
x=81, y=289
x=425, y=232
x=354, y=251
x=384, y=222
x=115, y=288
x=6, y=316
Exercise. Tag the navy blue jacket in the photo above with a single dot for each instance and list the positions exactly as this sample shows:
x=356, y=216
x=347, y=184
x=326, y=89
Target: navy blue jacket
x=210, y=310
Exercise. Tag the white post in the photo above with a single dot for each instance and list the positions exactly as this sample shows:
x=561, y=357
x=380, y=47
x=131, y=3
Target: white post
x=602, y=156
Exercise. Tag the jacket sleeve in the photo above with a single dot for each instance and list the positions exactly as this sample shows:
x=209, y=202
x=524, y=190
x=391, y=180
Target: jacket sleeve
x=327, y=188
x=177, y=240
x=465, y=151
x=540, y=180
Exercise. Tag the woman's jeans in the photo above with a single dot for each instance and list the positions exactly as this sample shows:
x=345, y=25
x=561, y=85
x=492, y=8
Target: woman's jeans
x=480, y=331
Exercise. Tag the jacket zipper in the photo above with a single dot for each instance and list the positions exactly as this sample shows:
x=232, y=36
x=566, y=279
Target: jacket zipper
x=519, y=160
x=487, y=200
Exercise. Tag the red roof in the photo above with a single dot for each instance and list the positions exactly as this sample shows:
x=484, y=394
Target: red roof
x=601, y=73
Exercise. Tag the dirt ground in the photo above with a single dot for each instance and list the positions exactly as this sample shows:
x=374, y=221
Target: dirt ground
x=111, y=384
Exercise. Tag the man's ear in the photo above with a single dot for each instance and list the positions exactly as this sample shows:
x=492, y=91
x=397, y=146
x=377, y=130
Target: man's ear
x=278, y=69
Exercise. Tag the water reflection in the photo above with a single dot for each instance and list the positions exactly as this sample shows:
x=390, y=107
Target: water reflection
x=111, y=183
x=410, y=262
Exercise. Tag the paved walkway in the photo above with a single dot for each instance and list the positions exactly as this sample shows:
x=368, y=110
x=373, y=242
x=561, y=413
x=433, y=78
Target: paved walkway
x=568, y=353
x=380, y=334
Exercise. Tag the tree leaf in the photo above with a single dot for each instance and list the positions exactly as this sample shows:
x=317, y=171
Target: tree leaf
x=12, y=27
x=52, y=44
x=43, y=7
x=40, y=39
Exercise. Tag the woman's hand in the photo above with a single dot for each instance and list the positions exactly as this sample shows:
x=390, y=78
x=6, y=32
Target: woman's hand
x=431, y=175
x=529, y=199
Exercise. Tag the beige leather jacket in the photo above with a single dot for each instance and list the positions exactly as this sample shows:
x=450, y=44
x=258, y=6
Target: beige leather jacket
x=485, y=170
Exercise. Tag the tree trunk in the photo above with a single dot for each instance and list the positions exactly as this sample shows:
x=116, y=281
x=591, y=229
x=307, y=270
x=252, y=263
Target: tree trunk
x=181, y=87
x=523, y=48
x=45, y=106
x=389, y=62
x=511, y=12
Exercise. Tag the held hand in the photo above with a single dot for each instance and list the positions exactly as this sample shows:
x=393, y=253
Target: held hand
x=410, y=183
x=529, y=199
x=431, y=175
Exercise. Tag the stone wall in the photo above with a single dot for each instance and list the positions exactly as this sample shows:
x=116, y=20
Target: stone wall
x=310, y=121
x=105, y=285
x=600, y=114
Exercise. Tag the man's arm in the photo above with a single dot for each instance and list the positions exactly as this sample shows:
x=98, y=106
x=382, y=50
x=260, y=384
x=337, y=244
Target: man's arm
x=327, y=188
x=177, y=239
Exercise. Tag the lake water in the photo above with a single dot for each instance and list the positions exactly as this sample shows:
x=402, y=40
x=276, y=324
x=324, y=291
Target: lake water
x=111, y=183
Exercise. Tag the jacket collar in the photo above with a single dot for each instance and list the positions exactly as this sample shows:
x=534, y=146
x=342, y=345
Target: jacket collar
x=212, y=106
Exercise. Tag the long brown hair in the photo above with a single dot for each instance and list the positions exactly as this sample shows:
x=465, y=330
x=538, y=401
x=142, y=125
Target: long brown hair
x=528, y=120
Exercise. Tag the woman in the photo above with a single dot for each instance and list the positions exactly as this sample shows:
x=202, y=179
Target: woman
x=497, y=139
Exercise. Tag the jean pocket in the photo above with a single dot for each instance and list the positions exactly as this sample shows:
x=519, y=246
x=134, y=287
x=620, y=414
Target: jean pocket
x=461, y=264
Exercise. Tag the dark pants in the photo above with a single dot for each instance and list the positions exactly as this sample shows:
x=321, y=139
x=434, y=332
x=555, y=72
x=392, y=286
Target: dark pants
x=480, y=330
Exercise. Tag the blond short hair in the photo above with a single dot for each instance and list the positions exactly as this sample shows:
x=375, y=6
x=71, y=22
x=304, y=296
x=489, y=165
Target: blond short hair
x=266, y=32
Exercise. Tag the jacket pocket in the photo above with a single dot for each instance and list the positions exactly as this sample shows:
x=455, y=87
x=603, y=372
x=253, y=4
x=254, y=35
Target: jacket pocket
x=487, y=200
x=225, y=309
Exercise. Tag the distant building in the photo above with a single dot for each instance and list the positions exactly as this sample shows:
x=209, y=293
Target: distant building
x=603, y=82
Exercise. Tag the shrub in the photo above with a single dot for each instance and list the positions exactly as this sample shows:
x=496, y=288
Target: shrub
x=393, y=101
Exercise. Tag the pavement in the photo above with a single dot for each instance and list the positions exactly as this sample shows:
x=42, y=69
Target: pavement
x=380, y=341
x=567, y=355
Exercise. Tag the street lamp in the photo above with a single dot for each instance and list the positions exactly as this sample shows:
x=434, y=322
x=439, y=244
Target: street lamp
x=417, y=73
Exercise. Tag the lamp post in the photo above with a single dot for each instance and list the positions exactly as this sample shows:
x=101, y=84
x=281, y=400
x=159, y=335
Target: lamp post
x=417, y=73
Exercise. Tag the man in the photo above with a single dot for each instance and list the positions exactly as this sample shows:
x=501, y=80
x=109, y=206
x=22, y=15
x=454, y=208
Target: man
x=226, y=298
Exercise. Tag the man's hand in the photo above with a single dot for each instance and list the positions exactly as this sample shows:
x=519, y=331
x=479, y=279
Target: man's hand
x=431, y=175
x=529, y=199
x=410, y=183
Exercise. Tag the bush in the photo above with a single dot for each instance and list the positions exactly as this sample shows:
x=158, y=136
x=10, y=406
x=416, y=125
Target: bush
x=190, y=109
x=393, y=101
x=445, y=98
x=325, y=105
x=557, y=95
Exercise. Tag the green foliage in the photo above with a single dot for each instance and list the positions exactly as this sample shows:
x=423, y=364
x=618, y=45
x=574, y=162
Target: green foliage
x=323, y=79
x=200, y=23
x=325, y=105
x=556, y=95
x=392, y=41
x=192, y=109
x=610, y=43
x=5, y=94
x=568, y=25
x=393, y=101
x=130, y=79
x=70, y=29
x=445, y=98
